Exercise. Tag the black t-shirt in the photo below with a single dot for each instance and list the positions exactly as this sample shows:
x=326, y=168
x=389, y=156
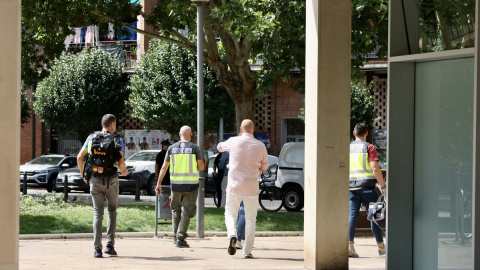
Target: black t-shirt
x=159, y=160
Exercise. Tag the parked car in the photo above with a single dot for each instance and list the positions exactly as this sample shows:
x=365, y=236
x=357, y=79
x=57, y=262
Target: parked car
x=272, y=167
x=42, y=171
x=75, y=180
x=290, y=175
x=141, y=166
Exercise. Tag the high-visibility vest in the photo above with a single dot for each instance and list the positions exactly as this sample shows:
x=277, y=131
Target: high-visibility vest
x=183, y=166
x=361, y=173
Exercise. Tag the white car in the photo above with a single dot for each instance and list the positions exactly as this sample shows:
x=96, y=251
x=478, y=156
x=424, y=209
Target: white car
x=141, y=165
x=290, y=175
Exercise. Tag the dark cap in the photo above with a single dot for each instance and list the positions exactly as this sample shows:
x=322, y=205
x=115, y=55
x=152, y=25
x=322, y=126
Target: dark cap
x=165, y=142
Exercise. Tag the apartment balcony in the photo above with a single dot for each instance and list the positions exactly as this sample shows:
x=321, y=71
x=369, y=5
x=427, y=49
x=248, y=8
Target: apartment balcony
x=124, y=48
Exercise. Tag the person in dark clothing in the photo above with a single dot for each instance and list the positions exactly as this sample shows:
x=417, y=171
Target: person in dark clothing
x=218, y=177
x=159, y=162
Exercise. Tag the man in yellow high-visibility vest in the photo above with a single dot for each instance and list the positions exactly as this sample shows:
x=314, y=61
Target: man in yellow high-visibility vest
x=364, y=174
x=185, y=161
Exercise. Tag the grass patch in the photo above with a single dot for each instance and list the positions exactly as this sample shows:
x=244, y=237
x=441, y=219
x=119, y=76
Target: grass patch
x=48, y=214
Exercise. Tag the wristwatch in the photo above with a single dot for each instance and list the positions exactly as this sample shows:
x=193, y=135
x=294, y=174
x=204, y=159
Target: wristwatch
x=384, y=187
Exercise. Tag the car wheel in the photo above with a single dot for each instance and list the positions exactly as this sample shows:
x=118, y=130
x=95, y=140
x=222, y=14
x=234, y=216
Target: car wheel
x=293, y=199
x=151, y=185
x=52, y=184
x=215, y=200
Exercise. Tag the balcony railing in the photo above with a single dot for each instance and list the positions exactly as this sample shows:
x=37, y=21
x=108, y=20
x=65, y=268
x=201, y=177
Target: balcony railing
x=124, y=50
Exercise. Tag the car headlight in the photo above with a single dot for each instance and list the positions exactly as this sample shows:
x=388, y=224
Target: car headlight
x=41, y=171
x=139, y=168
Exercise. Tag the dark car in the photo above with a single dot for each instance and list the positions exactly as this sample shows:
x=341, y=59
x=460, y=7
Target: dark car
x=75, y=180
x=42, y=171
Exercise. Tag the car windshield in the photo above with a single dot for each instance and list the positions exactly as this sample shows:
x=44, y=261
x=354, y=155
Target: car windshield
x=46, y=160
x=144, y=156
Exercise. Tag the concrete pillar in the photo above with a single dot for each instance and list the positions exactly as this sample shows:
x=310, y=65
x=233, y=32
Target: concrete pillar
x=10, y=11
x=327, y=95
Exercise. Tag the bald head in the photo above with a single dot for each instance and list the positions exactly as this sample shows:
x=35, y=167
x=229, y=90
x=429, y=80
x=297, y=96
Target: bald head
x=247, y=126
x=185, y=133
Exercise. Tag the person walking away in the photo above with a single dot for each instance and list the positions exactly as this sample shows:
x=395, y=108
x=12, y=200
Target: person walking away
x=217, y=177
x=185, y=161
x=241, y=227
x=248, y=158
x=159, y=162
x=223, y=165
x=364, y=173
x=104, y=157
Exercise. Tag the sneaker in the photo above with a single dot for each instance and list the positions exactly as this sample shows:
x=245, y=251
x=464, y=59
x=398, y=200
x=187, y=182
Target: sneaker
x=249, y=256
x=175, y=241
x=110, y=250
x=239, y=244
x=182, y=244
x=381, y=251
x=352, y=253
x=98, y=253
x=231, y=246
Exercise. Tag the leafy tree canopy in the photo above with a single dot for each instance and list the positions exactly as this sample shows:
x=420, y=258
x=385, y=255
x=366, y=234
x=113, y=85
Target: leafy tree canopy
x=164, y=90
x=80, y=89
x=237, y=33
x=24, y=104
x=362, y=107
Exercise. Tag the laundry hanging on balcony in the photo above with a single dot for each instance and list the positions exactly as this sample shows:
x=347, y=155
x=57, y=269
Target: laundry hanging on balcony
x=133, y=34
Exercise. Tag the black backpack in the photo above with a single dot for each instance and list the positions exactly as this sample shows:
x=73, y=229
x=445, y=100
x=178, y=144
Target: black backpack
x=104, y=152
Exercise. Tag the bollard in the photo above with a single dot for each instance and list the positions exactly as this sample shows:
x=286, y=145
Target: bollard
x=24, y=185
x=65, y=188
x=201, y=208
x=155, y=233
x=137, y=189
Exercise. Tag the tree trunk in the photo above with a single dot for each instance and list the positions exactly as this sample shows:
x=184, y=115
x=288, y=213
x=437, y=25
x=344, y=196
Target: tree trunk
x=242, y=93
x=243, y=110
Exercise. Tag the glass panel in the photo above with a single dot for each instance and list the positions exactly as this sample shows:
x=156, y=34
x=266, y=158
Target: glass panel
x=446, y=25
x=295, y=127
x=443, y=164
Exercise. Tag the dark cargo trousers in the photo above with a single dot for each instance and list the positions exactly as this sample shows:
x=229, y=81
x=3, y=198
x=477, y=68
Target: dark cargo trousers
x=184, y=207
x=100, y=192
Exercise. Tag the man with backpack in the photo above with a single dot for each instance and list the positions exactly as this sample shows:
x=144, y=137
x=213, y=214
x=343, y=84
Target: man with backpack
x=104, y=158
x=185, y=161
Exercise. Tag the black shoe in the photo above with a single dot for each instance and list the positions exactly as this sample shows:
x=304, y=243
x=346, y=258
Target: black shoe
x=110, y=250
x=232, y=248
x=182, y=244
x=98, y=253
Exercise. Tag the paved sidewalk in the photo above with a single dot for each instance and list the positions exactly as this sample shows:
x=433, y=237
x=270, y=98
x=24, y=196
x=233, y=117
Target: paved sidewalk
x=285, y=252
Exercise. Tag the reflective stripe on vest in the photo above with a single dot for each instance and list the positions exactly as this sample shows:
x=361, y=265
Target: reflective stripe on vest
x=183, y=166
x=360, y=168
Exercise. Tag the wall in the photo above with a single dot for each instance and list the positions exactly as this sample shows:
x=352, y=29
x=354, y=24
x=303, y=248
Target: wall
x=285, y=103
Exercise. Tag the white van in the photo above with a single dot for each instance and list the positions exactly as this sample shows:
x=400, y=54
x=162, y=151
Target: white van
x=290, y=173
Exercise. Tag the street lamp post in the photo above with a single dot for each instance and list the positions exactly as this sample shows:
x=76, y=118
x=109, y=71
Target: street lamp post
x=200, y=115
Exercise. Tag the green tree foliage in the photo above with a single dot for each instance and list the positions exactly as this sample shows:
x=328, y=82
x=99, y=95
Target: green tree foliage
x=24, y=104
x=80, y=89
x=164, y=90
x=369, y=30
x=446, y=24
x=362, y=106
x=236, y=33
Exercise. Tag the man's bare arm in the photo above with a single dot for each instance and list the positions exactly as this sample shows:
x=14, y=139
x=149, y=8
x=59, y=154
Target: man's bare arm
x=163, y=171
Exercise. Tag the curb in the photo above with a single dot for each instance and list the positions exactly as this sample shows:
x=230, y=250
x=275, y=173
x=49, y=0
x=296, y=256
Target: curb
x=146, y=235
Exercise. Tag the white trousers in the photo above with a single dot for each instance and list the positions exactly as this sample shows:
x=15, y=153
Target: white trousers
x=224, y=191
x=250, y=203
